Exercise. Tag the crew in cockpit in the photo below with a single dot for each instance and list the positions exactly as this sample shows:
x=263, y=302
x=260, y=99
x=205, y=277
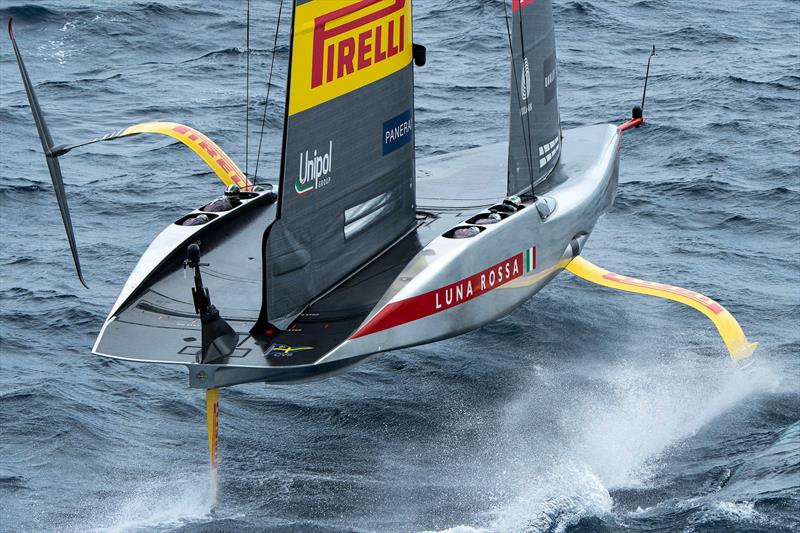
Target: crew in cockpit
x=228, y=201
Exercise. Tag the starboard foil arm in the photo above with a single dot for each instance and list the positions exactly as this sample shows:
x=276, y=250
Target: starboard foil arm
x=222, y=165
x=739, y=347
x=214, y=156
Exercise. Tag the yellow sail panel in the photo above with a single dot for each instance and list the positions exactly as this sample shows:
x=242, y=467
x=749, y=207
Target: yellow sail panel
x=735, y=340
x=214, y=156
x=343, y=45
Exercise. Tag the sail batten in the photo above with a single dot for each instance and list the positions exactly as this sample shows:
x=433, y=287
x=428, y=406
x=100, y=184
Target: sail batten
x=347, y=180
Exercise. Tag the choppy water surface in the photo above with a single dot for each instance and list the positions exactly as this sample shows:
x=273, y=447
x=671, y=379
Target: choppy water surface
x=585, y=410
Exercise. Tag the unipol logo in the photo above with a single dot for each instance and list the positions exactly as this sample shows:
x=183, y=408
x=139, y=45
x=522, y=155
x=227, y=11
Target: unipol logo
x=526, y=79
x=342, y=45
x=315, y=170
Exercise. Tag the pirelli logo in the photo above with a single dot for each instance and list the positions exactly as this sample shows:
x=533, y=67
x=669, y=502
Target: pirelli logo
x=343, y=45
x=211, y=153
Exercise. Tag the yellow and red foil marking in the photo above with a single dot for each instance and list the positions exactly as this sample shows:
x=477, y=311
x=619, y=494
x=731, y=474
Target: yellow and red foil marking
x=730, y=331
x=212, y=420
x=214, y=156
x=705, y=301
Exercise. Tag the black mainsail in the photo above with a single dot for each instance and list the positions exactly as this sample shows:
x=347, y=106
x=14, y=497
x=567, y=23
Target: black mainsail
x=535, y=129
x=347, y=177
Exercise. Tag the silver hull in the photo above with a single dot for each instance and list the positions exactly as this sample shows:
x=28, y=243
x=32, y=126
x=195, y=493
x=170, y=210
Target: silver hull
x=437, y=287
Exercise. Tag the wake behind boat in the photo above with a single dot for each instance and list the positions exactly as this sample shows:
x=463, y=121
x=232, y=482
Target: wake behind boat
x=362, y=249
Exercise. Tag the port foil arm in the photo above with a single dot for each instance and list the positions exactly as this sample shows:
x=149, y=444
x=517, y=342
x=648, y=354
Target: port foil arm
x=739, y=347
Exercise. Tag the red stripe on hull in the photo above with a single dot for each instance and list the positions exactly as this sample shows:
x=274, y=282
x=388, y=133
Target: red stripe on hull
x=443, y=298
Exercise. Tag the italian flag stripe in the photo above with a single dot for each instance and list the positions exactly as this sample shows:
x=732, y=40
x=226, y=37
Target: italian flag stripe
x=530, y=259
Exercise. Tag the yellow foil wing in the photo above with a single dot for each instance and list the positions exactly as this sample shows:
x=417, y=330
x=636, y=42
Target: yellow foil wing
x=222, y=165
x=735, y=340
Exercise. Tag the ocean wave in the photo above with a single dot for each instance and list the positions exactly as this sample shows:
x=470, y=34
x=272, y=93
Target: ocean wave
x=701, y=34
x=28, y=12
x=788, y=81
x=12, y=483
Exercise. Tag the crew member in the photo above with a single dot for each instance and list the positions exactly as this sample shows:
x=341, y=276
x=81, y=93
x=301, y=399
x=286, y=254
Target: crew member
x=199, y=220
x=228, y=201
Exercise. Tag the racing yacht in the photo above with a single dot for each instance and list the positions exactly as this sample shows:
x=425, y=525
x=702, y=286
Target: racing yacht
x=362, y=249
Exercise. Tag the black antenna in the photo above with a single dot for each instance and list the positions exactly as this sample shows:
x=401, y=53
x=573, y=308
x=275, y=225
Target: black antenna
x=269, y=86
x=247, y=96
x=647, y=75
